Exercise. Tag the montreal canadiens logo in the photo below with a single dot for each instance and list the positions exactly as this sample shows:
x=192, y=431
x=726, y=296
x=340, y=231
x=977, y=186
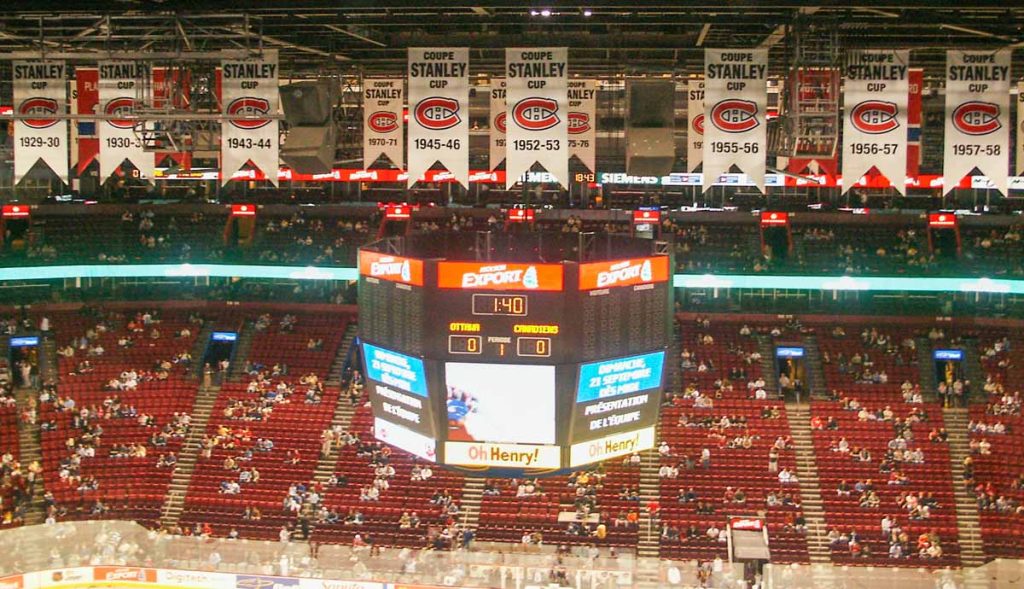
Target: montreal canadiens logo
x=977, y=118
x=733, y=115
x=437, y=113
x=874, y=117
x=38, y=106
x=499, y=122
x=698, y=124
x=383, y=122
x=579, y=122
x=535, y=113
x=249, y=106
x=120, y=107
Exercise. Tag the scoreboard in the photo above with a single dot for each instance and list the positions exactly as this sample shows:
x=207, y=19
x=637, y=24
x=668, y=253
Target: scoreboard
x=513, y=366
x=501, y=312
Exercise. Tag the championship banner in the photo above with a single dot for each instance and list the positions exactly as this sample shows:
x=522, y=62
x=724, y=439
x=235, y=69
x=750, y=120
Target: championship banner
x=383, y=101
x=249, y=87
x=118, y=88
x=1020, y=128
x=537, y=113
x=875, y=125
x=496, y=137
x=695, y=130
x=170, y=85
x=40, y=88
x=977, y=117
x=439, y=112
x=87, y=100
x=583, y=122
x=735, y=102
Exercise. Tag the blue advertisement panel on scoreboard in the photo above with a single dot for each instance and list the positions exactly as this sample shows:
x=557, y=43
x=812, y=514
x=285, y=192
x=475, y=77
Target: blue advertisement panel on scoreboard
x=394, y=369
x=620, y=376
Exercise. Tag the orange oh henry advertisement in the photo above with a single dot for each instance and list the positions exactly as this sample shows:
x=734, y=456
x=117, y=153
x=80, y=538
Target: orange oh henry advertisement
x=630, y=272
x=392, y=268
x=12, y=582
x=497, y=276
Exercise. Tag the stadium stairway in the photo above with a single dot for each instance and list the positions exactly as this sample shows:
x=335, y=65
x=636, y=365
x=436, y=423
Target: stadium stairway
x=649, y=533
x=815, y=385
x=810, y=489
x=199, y=348
x=974, y=372
x=967, y=517
x=338, y=366
x=241, y=355
x=31, y=451
x=771, y=378
x=469, y=503
x=173, y=506
x=926, y=370
x=344, y=410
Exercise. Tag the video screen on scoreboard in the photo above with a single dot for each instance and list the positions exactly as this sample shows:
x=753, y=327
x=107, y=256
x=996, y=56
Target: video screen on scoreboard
x=397, y=386
x=511, y=403
x=616, y=395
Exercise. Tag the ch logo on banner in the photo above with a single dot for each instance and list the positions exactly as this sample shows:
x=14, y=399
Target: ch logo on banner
x=437, y=113
x=499, y=121
x=874, y=117
x=977, y=118
x=38, y=106
x=733, y=115
x=249, y=106
x=536, y=113
x=579, y=122
x=120, y=106
x=383, y=121
x=698, y=124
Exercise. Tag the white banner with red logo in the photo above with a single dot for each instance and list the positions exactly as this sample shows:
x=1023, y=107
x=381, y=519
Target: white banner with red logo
x=383, y=101
x=977, y=117
x=583, y=122
x=119, y=85
x=735, y=101
x=876, y=90
x=40, y=88
x=537, y=112
x=496, y=138
x=249, y=88
x=695, y=129
x=439, y=111
x=1020, y=128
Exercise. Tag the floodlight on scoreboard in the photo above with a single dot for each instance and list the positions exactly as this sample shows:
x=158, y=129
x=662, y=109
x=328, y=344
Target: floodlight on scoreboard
x=15, y=211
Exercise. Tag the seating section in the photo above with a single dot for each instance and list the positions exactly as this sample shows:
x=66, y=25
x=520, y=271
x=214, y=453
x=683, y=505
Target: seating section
x=281, y=342
x=862, y=440
x=922, y=483
x=87, y=421
x=124, y=391
x=381, y=517
x=292, y=426
x=997, y=448
x=298, y=236
x=715, y=412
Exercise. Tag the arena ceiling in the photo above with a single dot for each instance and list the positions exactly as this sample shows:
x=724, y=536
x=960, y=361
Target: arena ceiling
x=605, y=38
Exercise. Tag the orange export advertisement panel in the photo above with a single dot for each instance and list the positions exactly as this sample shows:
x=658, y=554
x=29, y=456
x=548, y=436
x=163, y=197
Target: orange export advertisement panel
x=391, y=268
x=504, y=277
x=631, y=272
